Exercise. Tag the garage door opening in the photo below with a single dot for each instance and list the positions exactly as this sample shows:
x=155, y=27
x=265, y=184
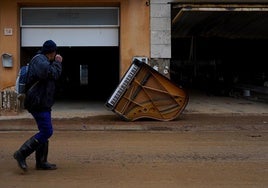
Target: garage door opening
x=220, y=49
x=89, y=73
x=88, y=40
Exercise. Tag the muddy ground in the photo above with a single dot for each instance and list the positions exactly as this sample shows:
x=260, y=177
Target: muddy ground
x=104, y=151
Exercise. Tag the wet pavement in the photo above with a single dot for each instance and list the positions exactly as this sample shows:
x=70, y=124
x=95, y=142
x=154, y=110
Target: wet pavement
x=198, y=104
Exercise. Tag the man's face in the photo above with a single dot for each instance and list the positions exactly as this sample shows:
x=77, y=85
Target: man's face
x=51, y=56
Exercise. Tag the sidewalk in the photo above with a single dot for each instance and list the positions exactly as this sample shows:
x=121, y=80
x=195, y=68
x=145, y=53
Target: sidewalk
x=198, y=104
x=85, y=115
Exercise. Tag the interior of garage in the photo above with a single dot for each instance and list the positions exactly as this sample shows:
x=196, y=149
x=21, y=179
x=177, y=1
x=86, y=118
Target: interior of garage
x=217, y=65
x=220, y=51
x=89, y=73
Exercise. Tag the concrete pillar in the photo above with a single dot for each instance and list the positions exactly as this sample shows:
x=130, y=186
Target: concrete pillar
x=160, y=12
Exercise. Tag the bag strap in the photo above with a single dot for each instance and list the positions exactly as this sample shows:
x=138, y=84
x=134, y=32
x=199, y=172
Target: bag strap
x=33, y=86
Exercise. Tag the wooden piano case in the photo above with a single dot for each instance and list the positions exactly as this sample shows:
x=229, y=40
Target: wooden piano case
x=148, y=94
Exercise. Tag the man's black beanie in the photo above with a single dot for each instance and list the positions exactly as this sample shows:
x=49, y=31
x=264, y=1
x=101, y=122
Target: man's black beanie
x=48, y=47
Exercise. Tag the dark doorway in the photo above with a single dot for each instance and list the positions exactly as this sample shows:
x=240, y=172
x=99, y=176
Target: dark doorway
x=89, y=73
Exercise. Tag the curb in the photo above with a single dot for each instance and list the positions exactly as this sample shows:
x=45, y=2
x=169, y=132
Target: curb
x=185, y=122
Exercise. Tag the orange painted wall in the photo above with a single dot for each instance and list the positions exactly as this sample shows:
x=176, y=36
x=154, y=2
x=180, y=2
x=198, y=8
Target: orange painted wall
x=134, y=30
x=9, y=44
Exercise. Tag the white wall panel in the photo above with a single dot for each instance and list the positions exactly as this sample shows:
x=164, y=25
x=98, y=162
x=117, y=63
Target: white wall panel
x=31, y=37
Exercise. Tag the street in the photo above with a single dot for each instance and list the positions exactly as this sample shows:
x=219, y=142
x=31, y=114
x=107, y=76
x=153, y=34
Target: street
x=193, y=151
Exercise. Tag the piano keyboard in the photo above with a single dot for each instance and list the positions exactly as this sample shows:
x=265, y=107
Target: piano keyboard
x=124, y=83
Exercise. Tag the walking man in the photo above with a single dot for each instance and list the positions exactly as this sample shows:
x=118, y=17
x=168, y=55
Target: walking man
x=44, y=70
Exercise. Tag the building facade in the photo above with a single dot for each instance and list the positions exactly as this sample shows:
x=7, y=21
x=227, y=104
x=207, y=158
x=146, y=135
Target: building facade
x=116, y=27
x=99, y=39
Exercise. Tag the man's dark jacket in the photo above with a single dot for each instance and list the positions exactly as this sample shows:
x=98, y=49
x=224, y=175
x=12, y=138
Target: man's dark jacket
x=41, y=84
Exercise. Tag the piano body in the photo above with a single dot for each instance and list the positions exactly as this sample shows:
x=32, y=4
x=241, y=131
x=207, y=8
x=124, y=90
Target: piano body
x=145, y=93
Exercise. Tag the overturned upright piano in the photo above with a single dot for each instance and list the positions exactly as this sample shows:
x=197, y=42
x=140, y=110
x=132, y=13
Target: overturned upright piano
x=145, y=93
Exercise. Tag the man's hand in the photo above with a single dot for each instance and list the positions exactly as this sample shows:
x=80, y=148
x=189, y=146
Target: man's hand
x=58, y=58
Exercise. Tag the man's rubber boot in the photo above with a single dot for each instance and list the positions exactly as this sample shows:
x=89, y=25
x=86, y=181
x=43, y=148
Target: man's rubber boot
x=41, y=154
x=25, y=150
